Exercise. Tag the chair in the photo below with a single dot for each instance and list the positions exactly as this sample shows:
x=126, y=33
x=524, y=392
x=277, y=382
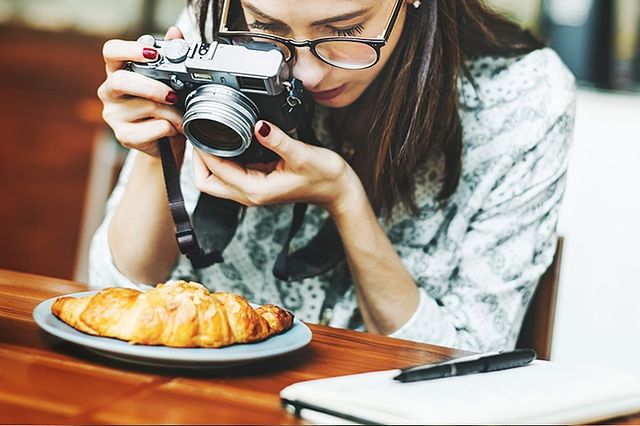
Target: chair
x=537, y=328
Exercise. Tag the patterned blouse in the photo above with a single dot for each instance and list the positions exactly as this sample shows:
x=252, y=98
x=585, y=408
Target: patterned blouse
x=476, y=257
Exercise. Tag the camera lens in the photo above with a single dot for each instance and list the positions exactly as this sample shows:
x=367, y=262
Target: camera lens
x=219, y=120
x=214, y=134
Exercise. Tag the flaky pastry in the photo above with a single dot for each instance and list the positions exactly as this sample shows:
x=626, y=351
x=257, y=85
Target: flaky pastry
x=180, y=314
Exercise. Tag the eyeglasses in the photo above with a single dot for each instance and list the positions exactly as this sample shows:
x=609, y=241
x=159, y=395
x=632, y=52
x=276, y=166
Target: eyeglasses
x=352, y=53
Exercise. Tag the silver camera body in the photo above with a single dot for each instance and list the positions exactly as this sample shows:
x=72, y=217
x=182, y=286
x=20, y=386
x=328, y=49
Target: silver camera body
x=224, y=90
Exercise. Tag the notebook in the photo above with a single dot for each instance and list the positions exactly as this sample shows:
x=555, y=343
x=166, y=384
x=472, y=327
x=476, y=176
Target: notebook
x=541, y=392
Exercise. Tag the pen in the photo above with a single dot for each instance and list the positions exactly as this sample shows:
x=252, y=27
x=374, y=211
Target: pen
x=460, y=367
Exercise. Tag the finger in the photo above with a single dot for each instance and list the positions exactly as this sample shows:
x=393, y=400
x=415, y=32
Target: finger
x=132, y=135
x=210, y=184
x=173, y=33
x=123, y=83
x=134, y=110
x=263, y=167
x=149, y=109
x=231, y=172
x=117, y=53
x=292, y=151
x=200, y=170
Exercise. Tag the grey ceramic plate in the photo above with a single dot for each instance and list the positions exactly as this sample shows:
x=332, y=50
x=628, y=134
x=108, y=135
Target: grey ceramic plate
x=296, y=337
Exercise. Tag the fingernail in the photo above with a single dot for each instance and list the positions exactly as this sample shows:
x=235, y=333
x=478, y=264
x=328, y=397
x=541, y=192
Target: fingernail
x=172, y=97
x=264, y=130
x=149, y=53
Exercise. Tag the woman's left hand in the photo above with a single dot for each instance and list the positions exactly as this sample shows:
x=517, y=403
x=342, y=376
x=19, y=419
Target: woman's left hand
x=304, y=173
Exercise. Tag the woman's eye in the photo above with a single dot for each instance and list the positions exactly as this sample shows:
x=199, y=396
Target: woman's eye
x=348, y=32
x=278, y=29
x=265, y=26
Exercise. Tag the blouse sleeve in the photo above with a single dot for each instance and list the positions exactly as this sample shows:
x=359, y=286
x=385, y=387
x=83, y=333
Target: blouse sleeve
x=502, y=237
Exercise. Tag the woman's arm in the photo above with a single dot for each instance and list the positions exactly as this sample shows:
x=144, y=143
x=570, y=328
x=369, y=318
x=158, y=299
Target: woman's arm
x=141, y=233
x=140, y=111
x=387, y=294
x=136, y=241
x=103, y=270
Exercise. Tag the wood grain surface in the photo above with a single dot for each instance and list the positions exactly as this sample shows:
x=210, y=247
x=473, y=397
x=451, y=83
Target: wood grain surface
x=46, y=380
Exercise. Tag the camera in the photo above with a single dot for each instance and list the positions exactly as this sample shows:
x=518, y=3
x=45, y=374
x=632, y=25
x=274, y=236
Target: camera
x=224, y=89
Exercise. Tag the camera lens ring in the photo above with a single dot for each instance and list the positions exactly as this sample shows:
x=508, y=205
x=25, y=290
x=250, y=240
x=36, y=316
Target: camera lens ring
x=217, y=105
x=224, y=117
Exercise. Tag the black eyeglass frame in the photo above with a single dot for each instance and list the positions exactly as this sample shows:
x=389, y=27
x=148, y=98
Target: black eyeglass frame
x=375, y=43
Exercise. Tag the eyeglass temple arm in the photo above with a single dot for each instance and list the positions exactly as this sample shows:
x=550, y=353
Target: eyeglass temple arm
x=223, y=16
x=392, y=20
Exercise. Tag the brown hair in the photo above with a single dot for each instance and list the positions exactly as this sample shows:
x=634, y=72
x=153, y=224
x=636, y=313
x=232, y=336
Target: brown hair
x=415, y=97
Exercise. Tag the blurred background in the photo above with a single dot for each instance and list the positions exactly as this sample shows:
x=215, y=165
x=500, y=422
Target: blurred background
x=58, y=161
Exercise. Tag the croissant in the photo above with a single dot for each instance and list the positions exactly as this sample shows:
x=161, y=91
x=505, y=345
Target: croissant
x=180, y=314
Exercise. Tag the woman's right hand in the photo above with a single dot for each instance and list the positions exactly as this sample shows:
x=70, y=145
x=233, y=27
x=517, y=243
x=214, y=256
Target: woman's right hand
x=139, y=109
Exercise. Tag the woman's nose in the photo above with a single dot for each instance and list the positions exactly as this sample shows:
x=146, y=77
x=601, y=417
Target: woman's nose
x=309, y=69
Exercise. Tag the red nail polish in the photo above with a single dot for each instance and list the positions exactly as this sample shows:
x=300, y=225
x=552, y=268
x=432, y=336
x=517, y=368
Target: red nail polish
x=149, y=53
x=264, y=130
x=172, y=97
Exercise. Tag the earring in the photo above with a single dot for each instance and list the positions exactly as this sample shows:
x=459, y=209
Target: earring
x=416, y=4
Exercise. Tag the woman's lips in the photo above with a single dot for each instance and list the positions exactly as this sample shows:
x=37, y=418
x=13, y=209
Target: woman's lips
x=328, y=94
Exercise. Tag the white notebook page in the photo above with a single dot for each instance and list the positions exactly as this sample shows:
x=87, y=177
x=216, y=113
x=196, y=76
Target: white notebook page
x=540, y=392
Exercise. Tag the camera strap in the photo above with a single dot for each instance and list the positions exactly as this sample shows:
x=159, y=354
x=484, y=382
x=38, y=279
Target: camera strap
x=185, y=235
x=217, y=219
x=324, y=250
x=321, y=254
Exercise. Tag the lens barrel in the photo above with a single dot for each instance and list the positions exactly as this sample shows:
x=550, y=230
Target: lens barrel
x=219, y=120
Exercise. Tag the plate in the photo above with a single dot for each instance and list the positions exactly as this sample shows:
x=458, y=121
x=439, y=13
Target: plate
x=296, y=337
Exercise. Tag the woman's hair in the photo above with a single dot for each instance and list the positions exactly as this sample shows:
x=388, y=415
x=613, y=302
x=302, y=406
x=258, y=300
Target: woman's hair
x=415, y=99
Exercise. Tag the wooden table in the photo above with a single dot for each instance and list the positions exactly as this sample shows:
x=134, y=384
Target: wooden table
x=46, y=380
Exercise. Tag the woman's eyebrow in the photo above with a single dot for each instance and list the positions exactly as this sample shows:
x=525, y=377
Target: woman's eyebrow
x=343, y=17
x=260, y=13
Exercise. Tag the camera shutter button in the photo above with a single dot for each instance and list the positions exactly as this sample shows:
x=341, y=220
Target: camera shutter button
x=176, y=50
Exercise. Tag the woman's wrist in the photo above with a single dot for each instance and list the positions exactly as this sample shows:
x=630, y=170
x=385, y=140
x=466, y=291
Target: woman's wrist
x=154, y=161
x=351, y=198
x=148, y=161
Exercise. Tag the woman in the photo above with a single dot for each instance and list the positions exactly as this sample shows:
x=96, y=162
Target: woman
x=445, y=192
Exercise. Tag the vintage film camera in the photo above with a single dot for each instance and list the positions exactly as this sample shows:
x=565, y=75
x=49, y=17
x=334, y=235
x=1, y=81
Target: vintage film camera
x=225, y=89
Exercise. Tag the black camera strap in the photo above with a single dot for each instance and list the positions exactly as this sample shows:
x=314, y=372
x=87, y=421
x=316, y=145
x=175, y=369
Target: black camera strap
x=321, y=254
x=217, y=219
x=325, y=250
x=185, y=235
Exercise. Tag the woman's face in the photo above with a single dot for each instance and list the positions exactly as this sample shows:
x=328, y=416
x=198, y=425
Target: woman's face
x=309, y=19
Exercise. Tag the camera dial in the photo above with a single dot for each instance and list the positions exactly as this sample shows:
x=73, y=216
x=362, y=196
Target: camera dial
x=176, y=51
x=147, y=40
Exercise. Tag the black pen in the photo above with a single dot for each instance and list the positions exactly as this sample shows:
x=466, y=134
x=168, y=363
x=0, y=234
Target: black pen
x=460, y=367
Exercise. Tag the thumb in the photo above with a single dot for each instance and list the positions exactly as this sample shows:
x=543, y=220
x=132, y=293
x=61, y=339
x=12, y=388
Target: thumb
x=173, y=33
x=272, y=137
